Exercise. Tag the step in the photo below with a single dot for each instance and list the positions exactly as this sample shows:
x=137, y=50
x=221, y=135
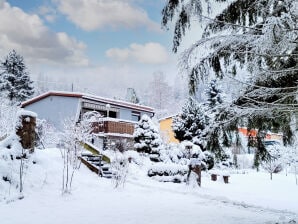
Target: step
x=105, y=168
x=86, y=154
x=94, y=158
x=107, y=172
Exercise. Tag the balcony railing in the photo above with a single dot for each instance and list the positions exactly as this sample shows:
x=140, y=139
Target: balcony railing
x=115, y=126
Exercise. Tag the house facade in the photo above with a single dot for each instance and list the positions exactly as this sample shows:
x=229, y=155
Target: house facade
x=166, y=131
x=119, y=117
x=168, y=135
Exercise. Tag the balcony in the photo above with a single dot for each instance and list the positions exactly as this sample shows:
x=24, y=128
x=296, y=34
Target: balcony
x=113, y=126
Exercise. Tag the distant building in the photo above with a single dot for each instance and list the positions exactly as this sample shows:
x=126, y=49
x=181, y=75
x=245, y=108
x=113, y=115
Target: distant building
x=119, y=117
x=168, y=135
x=253, y=134
x=166, y=130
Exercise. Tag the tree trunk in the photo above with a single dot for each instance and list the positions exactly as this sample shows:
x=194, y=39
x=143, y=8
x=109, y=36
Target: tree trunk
x=296, y=175
x=26, y=132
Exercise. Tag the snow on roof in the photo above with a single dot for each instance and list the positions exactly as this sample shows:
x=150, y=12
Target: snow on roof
x=167, y=117
x=50, y=93
x=89, y=97
x=118, y=102
x=23, y=112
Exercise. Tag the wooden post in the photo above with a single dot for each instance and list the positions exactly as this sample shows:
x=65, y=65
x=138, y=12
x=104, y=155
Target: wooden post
x=197, y=169
x=213, y=177
x=195, y=166
x=26, y=130
x=226, y=179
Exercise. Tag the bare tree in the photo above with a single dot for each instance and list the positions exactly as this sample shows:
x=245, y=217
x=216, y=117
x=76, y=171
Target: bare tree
x=71, y=147
x=119, y=167
x=160, y=94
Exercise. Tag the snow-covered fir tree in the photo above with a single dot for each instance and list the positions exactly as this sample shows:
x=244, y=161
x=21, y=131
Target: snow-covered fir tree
x=15, y=81
x=261, y=38
x=214, y=94
x=191, y=124
x=146, y=136
x=219, y=134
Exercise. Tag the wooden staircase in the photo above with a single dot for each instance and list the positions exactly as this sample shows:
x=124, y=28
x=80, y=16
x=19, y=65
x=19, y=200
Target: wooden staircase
x=95, y=161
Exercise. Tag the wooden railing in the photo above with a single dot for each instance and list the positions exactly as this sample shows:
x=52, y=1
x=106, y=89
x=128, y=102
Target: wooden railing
x=114, y=126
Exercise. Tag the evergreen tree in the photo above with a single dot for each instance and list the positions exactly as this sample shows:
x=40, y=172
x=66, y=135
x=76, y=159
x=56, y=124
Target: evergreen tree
x=15, y=82
x=214, y=94
x=191, y=124
x=146, y=136
x=259, y=36
x=131, y=96
x=219, y=134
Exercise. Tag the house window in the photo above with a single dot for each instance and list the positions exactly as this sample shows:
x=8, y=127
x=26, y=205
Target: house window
x=105, y=111
x=135, y=116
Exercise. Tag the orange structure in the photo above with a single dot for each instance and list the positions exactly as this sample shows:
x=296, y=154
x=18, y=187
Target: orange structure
x=166, y=131
x=253, y=133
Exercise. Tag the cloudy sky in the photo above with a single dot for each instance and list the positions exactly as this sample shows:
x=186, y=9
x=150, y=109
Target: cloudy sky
x=97, y=45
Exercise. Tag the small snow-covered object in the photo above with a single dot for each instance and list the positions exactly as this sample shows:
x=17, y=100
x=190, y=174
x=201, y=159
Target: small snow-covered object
x=195, y=162
x=23, y=113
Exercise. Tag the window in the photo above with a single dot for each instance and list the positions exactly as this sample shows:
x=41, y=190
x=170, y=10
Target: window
x=135, y=116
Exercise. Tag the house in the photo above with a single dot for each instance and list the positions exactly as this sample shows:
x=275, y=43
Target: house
x=119, y=117
x=253, y=134
x=165, y=125
x=166, y=131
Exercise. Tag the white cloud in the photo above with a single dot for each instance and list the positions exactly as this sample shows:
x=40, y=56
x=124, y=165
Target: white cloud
x=149, y=53
x=49, y=13
x=27, y=34
x=96, y=14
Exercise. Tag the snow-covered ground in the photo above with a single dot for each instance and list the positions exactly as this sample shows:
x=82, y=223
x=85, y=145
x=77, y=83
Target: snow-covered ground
x=250, y=197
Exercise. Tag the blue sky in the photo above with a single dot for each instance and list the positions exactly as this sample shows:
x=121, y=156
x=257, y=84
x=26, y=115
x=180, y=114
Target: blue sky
x=99, y=45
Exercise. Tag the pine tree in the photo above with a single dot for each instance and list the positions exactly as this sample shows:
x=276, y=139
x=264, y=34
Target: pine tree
x=15, y=82
x=131, y=96
x=259, y=36
x=214, y=94
x=191, y=124
x=146, y=136
x=218, y=135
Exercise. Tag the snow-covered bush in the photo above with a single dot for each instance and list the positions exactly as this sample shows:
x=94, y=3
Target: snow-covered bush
x=146, y=136
x=274, y=164
x=46, y=134
x=14, y=161
x=133, y=156
x=7, y=117
x=169, y=172
x=182, y=153
x=119, y=168
x=226, y=159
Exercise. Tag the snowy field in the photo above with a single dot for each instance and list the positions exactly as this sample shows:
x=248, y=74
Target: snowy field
x=250, y=197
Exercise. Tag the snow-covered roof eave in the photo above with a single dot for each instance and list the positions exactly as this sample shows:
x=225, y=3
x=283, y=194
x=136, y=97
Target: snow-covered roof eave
x=119, y=103
x=50, y=93
x=90, y=97
x=167, y=117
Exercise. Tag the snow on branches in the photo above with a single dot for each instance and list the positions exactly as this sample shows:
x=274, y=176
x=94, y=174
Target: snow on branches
x=146, y=136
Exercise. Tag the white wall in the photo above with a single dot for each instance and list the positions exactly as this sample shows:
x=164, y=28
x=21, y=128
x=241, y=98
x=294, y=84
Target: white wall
x=55, y=109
